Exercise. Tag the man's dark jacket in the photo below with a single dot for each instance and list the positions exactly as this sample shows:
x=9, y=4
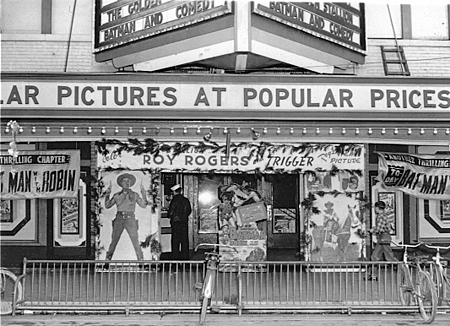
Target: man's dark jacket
x=179, y=209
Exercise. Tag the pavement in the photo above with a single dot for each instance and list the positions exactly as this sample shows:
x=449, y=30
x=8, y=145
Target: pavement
x=222, y=320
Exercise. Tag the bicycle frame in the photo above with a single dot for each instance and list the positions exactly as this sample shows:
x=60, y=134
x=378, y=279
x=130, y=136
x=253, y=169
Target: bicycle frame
x=421, y=288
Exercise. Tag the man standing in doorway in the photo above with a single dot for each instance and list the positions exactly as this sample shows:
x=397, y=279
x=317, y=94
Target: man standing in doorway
x=179, y=211
x=126, y=201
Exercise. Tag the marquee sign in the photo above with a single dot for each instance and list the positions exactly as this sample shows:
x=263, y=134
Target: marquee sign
x=423, y=176
x=211, y=95
x=124, y=21
x=341, y=23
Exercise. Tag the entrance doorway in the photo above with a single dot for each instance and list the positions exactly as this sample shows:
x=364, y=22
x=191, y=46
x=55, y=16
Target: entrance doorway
x=283, y=227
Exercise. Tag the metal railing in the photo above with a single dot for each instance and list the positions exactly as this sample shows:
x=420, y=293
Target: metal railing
x=165, y=286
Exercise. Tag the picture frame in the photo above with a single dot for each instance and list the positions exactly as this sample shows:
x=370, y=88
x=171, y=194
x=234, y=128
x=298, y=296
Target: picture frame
x=70, y=216
x=445, y=210
x=6, y=211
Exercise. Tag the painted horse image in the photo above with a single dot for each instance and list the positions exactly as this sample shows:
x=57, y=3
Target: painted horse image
x=335, y=233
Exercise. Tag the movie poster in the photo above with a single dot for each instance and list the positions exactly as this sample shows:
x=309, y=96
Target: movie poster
x=337, y=231
x=127, y=217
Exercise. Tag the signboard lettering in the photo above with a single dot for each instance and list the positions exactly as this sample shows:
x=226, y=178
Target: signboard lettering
x=336, y=22
x=287, y=159
x=175, y=95
x=126, y=21
x=48, y=174
x=423, y=176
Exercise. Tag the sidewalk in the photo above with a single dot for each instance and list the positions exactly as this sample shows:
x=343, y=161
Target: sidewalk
x=223, y=320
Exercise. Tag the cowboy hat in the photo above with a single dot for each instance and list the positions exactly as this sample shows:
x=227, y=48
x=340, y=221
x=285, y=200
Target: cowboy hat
x=329, y=204
x=126, y=175
x=175, y=187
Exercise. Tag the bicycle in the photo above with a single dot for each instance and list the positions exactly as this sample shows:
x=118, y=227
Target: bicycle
x=439, y=276
x=212, y=260
x=421, y=287
x=7, y=287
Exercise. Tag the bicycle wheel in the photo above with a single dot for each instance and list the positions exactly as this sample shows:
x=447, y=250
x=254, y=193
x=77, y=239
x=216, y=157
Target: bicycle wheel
x=438, y=281
x=204, y=310
x=7, y=281
x=426, y=297
x=446, y=288
x=405, y=286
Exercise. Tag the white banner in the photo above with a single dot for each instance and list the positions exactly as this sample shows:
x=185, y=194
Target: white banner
x=287, y=158
x=40, y=174
x=423, y=176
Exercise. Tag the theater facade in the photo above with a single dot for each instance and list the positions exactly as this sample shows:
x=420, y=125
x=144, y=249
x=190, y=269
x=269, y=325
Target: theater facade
x=314, y=151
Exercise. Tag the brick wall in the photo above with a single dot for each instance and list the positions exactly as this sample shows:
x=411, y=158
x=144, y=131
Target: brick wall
x=49, y=56
x=425, y=58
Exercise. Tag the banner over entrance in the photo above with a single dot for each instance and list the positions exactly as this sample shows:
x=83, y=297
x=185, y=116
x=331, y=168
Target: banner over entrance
x=40, y=174
x=423, y=176
x=246, y=158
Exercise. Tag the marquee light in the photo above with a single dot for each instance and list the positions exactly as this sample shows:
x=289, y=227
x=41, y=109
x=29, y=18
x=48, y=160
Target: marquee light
x=254, y=133
x=207, y=137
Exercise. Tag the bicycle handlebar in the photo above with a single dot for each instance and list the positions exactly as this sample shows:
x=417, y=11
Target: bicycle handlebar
x=406, y=245
x=215, y=245
x=436, y=247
